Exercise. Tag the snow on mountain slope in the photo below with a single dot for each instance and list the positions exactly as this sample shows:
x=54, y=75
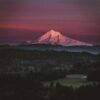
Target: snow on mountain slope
x=56, y=38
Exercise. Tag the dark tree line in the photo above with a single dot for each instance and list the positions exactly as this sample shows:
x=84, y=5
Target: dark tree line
x=94, y=76
x=29, y=87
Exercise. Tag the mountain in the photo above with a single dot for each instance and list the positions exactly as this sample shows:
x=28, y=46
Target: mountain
x=56, y=38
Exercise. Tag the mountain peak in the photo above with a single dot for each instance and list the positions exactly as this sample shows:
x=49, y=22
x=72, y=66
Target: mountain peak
x=51, y=37
x=54, y=33
x=56, y=38
x=52, y=30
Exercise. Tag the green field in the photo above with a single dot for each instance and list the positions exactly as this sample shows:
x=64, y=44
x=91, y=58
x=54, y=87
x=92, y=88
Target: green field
x=71, y=81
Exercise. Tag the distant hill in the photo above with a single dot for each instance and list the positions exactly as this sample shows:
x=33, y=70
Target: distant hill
x=45, y=47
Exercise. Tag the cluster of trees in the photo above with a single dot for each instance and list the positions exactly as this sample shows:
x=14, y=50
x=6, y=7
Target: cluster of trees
x=94, y=76
x=13, y=59
x=29, y=87
x=85, y=68
x=48, y=66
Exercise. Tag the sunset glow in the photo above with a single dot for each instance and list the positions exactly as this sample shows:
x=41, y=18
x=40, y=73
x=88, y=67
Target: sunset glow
x=79, y=19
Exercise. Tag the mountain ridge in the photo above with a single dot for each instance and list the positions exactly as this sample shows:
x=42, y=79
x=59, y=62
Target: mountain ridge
x=56, y=38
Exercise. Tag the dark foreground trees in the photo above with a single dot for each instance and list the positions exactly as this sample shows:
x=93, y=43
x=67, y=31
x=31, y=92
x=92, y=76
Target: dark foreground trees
x=94, y=76
x=15, y=87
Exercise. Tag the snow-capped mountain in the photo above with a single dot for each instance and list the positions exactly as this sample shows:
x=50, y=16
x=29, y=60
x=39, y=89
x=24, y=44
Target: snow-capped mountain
x=56, y=38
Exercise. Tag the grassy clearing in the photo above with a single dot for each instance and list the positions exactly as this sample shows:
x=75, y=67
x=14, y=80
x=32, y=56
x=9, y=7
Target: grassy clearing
x=71, y=81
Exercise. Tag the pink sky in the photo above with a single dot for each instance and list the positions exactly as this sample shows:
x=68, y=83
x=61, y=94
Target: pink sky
x=74, y=18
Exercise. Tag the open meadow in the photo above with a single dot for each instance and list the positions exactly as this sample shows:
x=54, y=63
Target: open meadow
x=74, y=80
